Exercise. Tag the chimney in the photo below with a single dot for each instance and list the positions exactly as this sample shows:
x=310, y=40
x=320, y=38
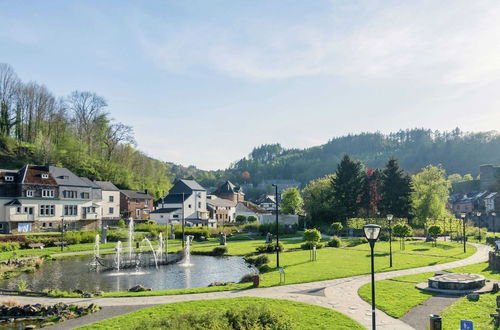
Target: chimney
x=146, y=191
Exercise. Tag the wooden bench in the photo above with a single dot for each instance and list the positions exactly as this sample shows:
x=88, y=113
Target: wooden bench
x=36, y=245
x=60, y=243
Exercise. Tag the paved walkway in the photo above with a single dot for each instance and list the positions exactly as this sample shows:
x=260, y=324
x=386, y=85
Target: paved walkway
x=339, y=294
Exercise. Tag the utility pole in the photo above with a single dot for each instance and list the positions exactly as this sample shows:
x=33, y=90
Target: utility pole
x=277, y=228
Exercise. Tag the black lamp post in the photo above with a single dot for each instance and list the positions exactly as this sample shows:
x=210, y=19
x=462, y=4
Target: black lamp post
x=478, y=214
x=371, y=233
x=389, y=220
x=493, y=214
x=462, y=215
x=277, y=227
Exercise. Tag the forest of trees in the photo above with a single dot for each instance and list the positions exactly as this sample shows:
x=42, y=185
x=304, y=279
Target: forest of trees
x=457, y=151
x=76, y=132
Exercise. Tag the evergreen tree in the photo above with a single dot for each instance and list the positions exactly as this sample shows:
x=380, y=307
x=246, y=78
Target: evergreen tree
x=395, y=190
x=348, y=187
x=371, y=192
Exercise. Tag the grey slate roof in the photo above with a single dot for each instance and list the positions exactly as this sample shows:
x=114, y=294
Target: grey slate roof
x=90, y=183
x=65, y=177
x=173, y=199
x=227, y=188
x=136, y=194
x=166, y=210
x=106, y=185
x=185, y=186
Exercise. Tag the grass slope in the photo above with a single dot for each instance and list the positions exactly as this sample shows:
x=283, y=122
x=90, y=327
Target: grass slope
x=304, y=316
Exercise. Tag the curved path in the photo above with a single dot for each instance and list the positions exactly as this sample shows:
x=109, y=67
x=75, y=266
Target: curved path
x=339, y=294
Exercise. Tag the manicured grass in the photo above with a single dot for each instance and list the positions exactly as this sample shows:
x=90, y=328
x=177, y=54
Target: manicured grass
x=476, y=311
x=304, y=316
x=480, y=268
x=344, y=262
x=397, y=296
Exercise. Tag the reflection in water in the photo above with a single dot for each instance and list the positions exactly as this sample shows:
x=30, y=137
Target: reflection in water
x=73, y=273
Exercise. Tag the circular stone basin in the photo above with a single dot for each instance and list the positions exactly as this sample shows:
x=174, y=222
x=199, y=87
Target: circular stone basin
x=457, y=281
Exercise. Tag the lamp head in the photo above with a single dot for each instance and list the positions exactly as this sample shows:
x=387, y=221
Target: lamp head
x=371, y=232
x=389, y=217
x=462, y=215
x=478, y=213
x=494, y=214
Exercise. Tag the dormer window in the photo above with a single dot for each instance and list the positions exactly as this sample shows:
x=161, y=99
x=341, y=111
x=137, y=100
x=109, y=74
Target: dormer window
x=47, y=193
x=30, y=193
x=45, y=176
x=9, y=178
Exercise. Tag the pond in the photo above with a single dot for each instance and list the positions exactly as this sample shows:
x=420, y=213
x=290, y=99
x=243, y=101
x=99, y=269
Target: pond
x=73, y=273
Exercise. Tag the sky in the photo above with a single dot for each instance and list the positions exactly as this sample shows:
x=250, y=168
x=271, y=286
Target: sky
x=203, y=82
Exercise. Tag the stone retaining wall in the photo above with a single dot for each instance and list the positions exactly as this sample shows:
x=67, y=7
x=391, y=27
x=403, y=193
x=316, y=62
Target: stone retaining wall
x=494, y=261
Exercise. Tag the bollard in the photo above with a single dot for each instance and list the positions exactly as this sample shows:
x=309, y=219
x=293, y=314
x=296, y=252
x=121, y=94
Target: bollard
x=435, y=322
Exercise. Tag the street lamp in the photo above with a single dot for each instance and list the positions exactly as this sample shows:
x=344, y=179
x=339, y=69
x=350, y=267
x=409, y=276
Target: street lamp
x=371, y=233
x=493, y=214
x=276, y=202
x=462, y=215
x=479, y=225
x=389, y=219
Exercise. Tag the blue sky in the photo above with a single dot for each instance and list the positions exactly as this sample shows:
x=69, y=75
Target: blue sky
x=203, y=82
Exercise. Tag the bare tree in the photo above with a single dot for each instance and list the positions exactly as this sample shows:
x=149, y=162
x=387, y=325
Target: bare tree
x=8, y=86
x=117, y=133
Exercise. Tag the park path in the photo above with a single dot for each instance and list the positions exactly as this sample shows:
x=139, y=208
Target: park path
x=339, y=294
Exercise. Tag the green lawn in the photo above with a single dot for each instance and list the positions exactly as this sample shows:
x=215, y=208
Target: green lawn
x=303, y=316
x=478, y=312
x=399, y=295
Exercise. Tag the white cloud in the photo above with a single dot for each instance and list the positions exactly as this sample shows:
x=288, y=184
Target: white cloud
x=449, y=42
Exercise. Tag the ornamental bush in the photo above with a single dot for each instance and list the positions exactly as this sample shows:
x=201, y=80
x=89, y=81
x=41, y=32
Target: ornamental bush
x=335, y=242
x=252, y=218
x=336, y=227
x=269, y=248
x=219, y=250
x=310, y=245
x=312, y=235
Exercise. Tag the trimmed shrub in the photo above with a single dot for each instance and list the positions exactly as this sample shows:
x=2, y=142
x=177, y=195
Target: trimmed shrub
x=241, y=218
x=13, y=238
x=121, y=223
x=335, y=242
x=248, y=277
x=197, y=232
x=252, y=218
x=312, y=235
x=336, y=227
x=219, y=250
x=258, y=261
x=9, y=246
x=251, y=227
x=357, y=241
x=271, y=228
x=310, y=245
x=269, y=248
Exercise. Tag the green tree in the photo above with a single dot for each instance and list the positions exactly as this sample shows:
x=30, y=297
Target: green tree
x=312, y=235
x=395, y=190
x=454, y=178
x=402, y=230
x=317, y=197
x=468, y=177
x=336, y=227
x=430, y=193
x=291, y=201
x=434, y=231
x=348, y=186
x=241, y=218
x=252, y=218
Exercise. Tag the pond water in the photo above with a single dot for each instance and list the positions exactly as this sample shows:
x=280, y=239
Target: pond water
x=73, y=273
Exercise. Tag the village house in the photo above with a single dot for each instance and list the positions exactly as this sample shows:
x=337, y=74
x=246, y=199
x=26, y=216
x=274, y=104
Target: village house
x=136, y=204
x=185, y=201
x=221, y=210
x=41, y=197
x=110, y=205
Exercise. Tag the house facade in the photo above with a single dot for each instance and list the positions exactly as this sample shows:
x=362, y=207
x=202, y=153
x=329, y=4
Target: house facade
x=110, y=205
x=136, y=204
x=187, y=200
x=40, y=198
x=221, y=210
x=230, y=192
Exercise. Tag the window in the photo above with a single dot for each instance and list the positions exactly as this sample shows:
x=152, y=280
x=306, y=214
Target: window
x=85, y=195
x=1, y=225
x=9, y=178
x=189, y=206
x=45, y=176
x=50, y=224
x=175, y=216
x=199, y=205
x=47, y=210
x=90, y=209
x=161, y=216
x=48, y=193
x=19, y=210
x=111, y=199
x=137, y=213
x=70, y=209
x=70, y=194
x=146, y=202
x=30, y=193
x=44, y=224
x=111, y=210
